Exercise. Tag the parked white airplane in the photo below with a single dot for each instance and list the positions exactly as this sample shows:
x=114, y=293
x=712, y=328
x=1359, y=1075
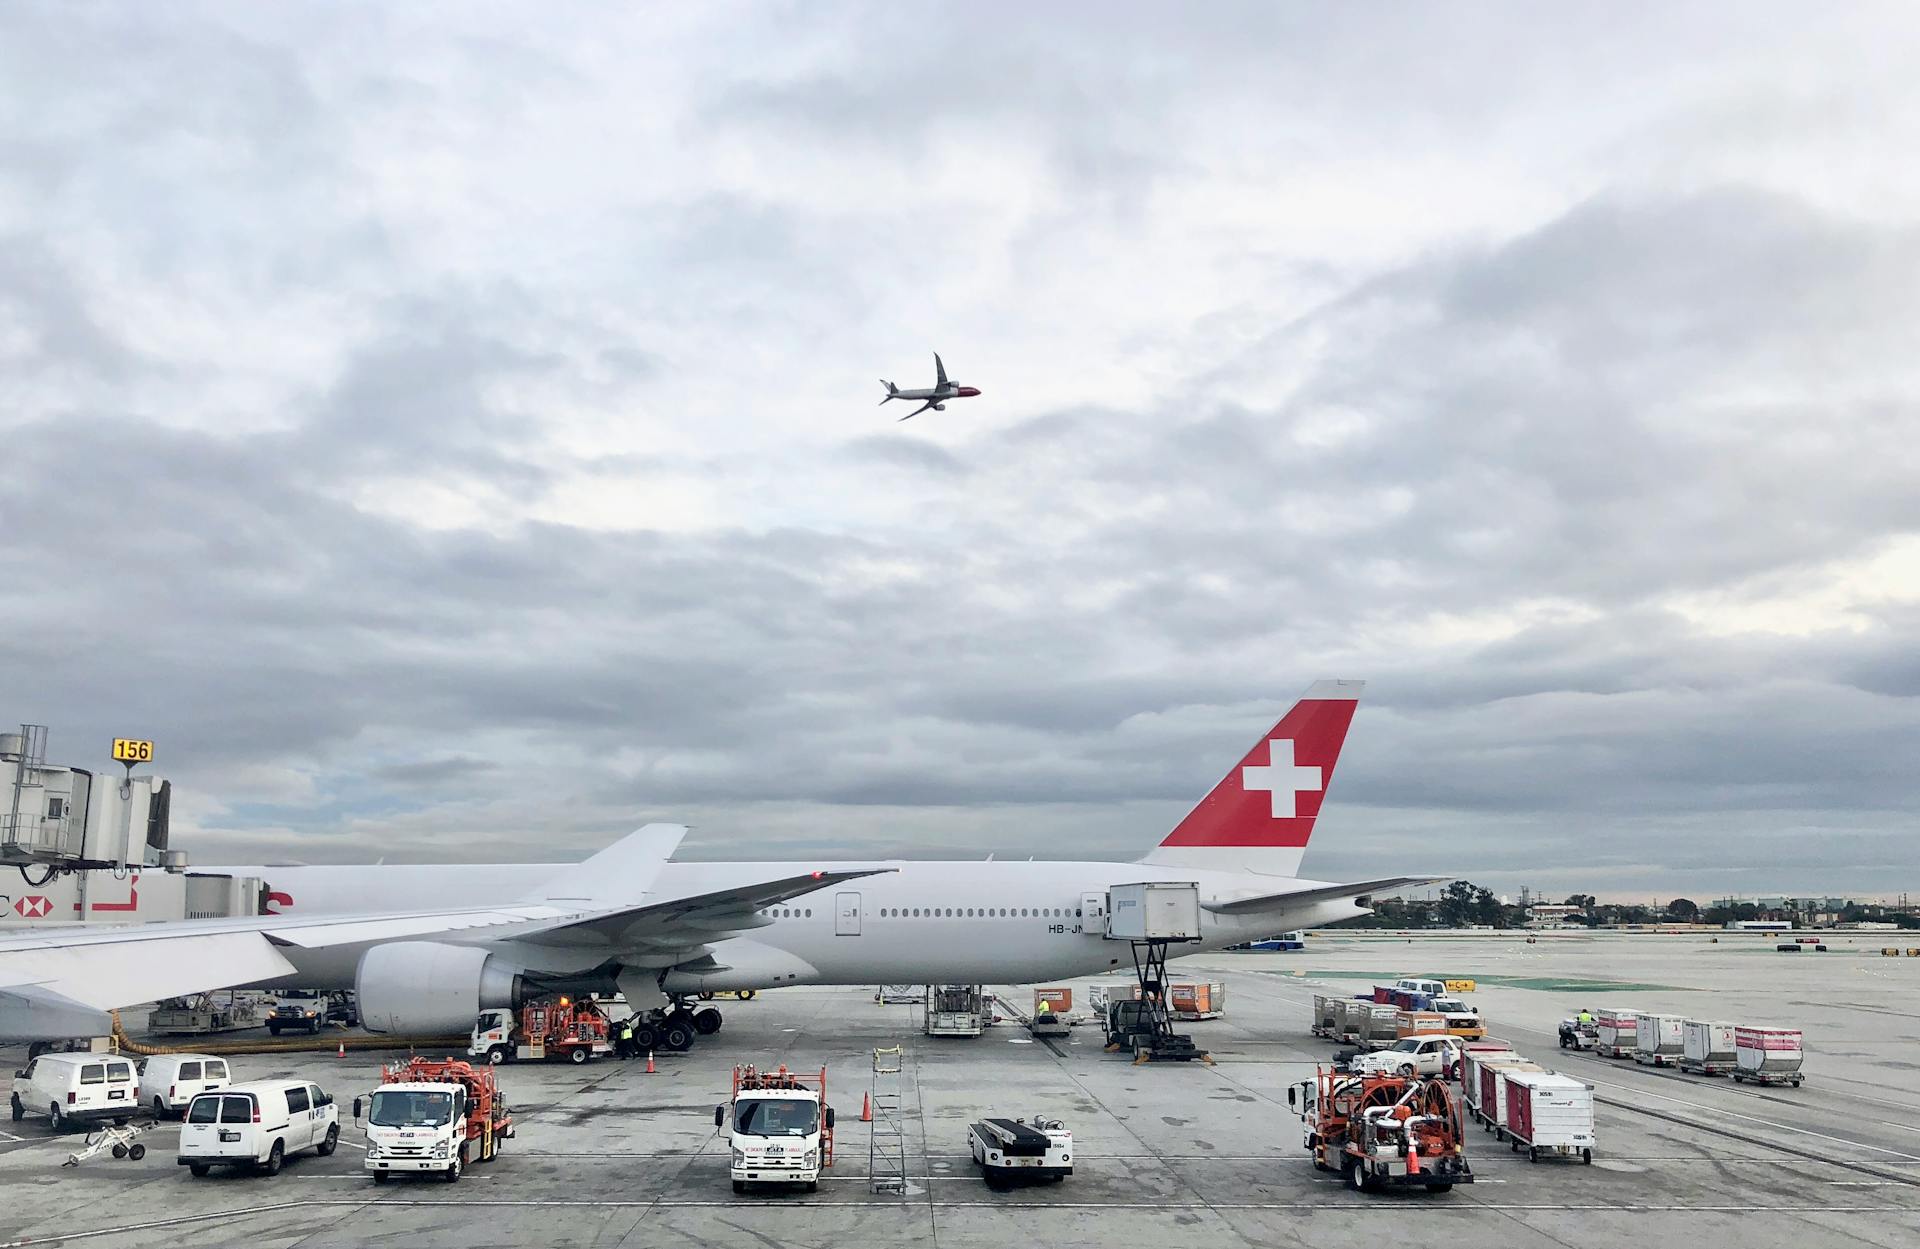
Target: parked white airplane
x=661, y=931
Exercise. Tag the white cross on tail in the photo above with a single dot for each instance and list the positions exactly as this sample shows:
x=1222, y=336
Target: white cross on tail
x=1281, y=778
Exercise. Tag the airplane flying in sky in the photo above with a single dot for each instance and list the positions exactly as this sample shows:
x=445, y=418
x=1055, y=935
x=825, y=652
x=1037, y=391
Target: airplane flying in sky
x=936, y=396
x=661, y=931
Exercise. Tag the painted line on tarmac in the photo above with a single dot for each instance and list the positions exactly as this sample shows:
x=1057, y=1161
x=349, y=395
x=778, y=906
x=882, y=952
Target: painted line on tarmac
x=1734, y=1114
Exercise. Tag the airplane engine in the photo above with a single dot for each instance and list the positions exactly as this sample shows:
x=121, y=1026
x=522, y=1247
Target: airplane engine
x=423, y=988
x=939, y=407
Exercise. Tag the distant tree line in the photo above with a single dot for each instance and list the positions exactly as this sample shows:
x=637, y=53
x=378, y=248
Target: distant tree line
x=1463, y=904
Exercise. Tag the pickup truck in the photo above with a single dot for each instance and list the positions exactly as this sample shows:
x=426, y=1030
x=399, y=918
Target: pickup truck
x=1462, y=1020
x=1424, y=1055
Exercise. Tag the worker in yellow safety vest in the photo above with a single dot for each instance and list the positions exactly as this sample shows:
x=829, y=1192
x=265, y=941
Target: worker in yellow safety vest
x=1585, y=1018
x=1044, y=1008
x=626, y=1037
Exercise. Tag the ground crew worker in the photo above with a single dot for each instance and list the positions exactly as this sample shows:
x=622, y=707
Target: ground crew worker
x=626, y=1037
x=1044, y=1008
x=1586, y=1017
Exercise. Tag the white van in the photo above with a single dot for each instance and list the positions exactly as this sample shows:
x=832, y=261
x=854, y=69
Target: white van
x=75, y=1089
x=258, y=1125
x=169, y=1081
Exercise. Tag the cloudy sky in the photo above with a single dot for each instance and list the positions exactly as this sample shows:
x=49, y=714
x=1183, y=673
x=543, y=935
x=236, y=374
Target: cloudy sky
x=450, y=431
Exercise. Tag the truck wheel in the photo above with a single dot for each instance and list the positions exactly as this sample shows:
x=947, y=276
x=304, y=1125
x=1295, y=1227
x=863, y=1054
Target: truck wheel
x=274, y=1028
x=739, y=1186
x=496, y=1054
x=1586, y=1156
x=707, y=1021
x=119, y=1151
x=580, y=1055
x=121, y=1121
x=459, y=1165
x=275, y=1158
x=747, y=995
x=1440, y=1188
x=813, y=1186
x=198, y=1170
x=381, y=1177
x=19, y=1111
x=1533, y=1155
x=56, y=1121
x=159, y=1108
x=325, y=1148
x=1350, y=1174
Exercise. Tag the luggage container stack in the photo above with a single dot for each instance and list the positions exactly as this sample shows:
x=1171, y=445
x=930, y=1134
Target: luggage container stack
x=1707, y=1047
x=1548, y=1114
x=1659, y=1040
x=1619, y=1032
x=1767, y=1055
x=1192, y=1002
x=1376, y=1026
x=1493, y=1092
x=1326, y=1016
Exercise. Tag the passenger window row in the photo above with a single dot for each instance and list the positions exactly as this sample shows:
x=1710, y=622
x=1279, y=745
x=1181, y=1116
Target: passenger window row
x=984, y=912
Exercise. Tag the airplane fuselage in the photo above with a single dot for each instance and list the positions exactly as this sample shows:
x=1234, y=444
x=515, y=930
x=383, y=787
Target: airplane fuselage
x=923, y=922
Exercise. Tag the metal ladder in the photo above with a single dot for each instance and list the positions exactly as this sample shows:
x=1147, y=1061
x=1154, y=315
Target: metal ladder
x=887, y=1134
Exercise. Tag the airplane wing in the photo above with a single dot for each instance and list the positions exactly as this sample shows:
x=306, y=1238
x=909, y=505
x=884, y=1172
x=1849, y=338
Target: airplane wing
x=916, y=412
x=940, y=372
x=1317, y=893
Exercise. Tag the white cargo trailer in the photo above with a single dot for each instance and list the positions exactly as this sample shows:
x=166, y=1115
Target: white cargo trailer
x=1493, y=1093
x=1618, y=1030
x=1707, y=1047
x=1548, y=1114
x=1767, y=1055
x=1326, y=1015
x=1659, y=1040
x=1153, y=911
x=1479, y=1076
x=1378, y=1025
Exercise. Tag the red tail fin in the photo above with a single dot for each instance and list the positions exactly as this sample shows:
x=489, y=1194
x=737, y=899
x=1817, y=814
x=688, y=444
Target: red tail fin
x=1260, y=815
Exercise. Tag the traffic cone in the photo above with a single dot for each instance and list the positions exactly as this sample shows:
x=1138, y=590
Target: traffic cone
x=649, y=1062
x=866, y=1108
x=342, y=1051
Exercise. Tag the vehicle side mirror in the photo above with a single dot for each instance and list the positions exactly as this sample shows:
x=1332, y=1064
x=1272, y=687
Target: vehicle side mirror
x=829, y=1117
x=1293, y=1098
x=356, y=1108
x=20, y=1074
x=719, y=1115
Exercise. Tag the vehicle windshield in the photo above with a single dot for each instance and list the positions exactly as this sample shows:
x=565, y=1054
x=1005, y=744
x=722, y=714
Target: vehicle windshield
x=1450, y=1006
x=766, y=1116
x=413, y=1109
x=1405, y=1047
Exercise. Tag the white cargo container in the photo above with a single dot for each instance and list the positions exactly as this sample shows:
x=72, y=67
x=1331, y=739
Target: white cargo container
x=1478, y=1071
x=1707, y=1047
x=1659, y=1040
x=1154, y=912
x=1326, y=1015
x=1379, y=1025
x=1618, y=1031
x=1767, y=1055
x=1493, y=1093
x=1548, y=1114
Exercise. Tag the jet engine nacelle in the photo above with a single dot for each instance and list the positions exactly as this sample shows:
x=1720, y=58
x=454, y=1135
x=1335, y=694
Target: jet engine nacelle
x=425, y=988
x=939, y=407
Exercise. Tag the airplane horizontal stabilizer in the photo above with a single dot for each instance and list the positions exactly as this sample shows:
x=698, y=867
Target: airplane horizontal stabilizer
x=1318, y=893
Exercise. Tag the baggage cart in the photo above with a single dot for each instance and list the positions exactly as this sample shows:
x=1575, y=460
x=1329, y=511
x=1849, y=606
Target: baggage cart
x=1326, y=1016
x=1548, y=1115
x=1707, y=1047
x=1192, y=1002
x=1477, y=1089
x=1767, y=1055
x=1659, y=1040
x=1616, y=1032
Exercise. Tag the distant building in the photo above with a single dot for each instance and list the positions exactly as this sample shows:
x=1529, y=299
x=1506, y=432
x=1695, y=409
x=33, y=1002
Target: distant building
x=1552, y=915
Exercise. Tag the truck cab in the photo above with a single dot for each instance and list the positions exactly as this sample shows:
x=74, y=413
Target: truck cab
x=433, y=1117
x=1430, y=1055
x=1462, y=1020
x=779, y=1126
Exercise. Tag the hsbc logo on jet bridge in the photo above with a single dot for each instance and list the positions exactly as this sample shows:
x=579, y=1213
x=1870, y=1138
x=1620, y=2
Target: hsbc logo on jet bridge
x=34, y=906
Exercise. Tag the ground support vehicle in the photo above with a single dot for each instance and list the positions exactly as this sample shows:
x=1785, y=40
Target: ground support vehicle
x=956, y=1010
x=1549, y=1115
x=73, y=1089
x=1462, y=1020
x=1708, y=1048
x=1050, y=1010
x=543, y=1030
x=1143, y=1029
x=780, y=1127
x=1008, y=1150
x=168, y=1082
x=1191, y=1003
x=203, y=1013
x=257, y=1126
x=1659, y=1040
x=1767, y=1056
x=433, y=1116
x=306, y=1015
x=893, y=994
x=1576, y=1035
x=1432, y=1054
x=1383, y=1131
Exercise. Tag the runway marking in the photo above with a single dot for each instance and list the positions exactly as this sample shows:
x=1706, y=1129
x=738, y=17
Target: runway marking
x=1734, y=1114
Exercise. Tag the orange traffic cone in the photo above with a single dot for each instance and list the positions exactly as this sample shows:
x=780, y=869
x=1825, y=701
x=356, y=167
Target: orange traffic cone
x=342, y=1051
x=649, y=1062
x=866, y=1108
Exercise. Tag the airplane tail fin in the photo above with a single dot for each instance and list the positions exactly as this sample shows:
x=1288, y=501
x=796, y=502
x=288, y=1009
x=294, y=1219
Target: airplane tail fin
x=893, y=391
x=1260, y=815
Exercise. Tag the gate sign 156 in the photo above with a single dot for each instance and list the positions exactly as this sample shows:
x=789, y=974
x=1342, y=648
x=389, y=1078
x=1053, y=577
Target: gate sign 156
x=127, y=750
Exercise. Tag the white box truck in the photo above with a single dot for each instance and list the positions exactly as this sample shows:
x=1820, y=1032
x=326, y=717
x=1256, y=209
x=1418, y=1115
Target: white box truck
x=779, y=1126
x=1154, y=912
x=1706, y=1047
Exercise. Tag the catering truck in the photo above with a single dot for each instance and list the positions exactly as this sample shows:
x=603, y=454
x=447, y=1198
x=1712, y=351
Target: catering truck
x=433, y=1117
x=779, y=1125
